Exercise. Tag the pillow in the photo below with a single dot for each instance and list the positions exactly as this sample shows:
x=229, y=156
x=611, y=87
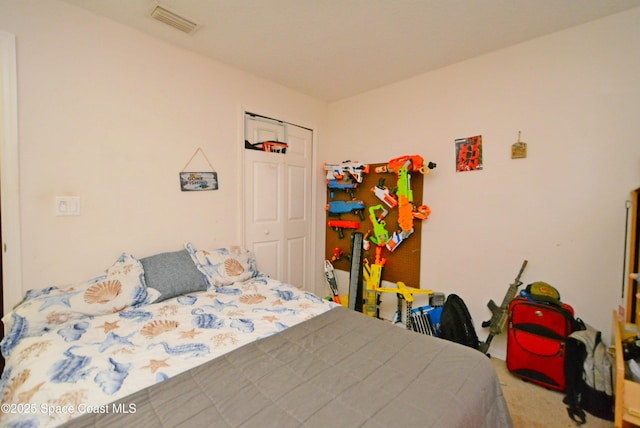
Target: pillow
x=172, y=274
x=224, y=266
x=122, y=287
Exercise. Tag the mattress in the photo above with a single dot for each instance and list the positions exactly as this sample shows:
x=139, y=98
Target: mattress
x=340, y=369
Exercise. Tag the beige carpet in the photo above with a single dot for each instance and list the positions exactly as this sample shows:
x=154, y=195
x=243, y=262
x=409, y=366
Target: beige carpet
x=533, y=406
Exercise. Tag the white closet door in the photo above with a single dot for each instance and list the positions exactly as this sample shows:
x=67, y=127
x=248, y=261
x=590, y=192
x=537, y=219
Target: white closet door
x=277, y=203
x=297, y=198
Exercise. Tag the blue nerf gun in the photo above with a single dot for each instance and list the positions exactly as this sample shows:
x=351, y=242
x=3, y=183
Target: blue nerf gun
x=336, y=208
x=346, y=185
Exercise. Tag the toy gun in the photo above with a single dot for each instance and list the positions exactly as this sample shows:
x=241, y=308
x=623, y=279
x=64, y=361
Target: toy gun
x=372, y=274
x=396, y=239
x=346, y=185
x=422, y=212
x=405, y=200
x=385, y=195
x=380, y=234
x=412, y=162
x=403, y=167
x=403, y=293
x=339, y=170
x=340, y=225
x=335, y=208
x=499, y=314
x=338, y=254
x=331, y=279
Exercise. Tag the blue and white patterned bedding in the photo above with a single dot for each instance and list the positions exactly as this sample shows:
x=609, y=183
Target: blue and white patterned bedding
x=80, y=365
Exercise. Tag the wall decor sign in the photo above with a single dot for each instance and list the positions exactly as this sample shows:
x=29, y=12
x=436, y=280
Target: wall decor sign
x=192, y=181
x=198, y=181
x=469, y=153
x=519, y=149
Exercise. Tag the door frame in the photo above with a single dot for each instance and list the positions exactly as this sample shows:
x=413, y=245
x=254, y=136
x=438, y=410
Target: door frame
x=243, y=111
x=10, y=175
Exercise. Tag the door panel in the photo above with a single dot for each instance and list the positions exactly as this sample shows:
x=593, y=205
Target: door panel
x=298, y=201
x=296, y=186
x=266, y=178
x=277, y=201
x=263, y=211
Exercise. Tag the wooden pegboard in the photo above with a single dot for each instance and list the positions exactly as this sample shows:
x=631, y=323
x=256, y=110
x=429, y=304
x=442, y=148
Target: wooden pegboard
x=404, y=263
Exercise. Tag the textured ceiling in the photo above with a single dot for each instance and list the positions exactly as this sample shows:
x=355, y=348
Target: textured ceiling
x=333, y=49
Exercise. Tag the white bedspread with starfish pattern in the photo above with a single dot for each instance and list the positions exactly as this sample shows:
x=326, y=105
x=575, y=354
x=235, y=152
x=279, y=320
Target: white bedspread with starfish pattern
x=82, y=365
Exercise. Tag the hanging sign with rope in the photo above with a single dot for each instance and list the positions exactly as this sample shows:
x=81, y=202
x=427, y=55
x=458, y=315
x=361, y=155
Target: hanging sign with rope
x=198, y=181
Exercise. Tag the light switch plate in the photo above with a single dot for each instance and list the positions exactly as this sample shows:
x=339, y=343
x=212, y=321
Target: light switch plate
x=67, y=205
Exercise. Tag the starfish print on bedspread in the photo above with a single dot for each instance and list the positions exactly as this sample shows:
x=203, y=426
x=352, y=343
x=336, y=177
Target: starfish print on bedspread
x=113, y=339
x=154, y=365
x=58, y=299
x=108, y=326
x=219, y=306
x=189, y=334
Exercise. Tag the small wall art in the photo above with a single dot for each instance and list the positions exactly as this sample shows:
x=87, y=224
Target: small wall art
x=198, y=181
x=469, y=153
x=519, y=149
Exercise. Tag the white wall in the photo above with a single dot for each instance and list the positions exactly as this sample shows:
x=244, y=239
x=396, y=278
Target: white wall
x=575, y=96
x=111, y=115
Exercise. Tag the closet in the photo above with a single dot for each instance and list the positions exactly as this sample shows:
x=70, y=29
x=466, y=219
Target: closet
x=278, y=171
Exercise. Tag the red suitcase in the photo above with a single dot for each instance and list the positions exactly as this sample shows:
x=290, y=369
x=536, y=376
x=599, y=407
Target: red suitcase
x=536, y=341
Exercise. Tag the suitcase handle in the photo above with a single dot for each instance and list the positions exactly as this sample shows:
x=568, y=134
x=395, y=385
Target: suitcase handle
x=538, y=330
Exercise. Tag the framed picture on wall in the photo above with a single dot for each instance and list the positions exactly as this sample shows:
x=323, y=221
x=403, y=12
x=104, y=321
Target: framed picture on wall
x=469, y=153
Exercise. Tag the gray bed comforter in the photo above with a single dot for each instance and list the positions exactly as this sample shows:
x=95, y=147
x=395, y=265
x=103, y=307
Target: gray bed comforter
x=339, y=369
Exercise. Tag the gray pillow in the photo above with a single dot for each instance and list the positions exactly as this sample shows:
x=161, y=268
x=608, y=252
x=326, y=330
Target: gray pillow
x=172, y=274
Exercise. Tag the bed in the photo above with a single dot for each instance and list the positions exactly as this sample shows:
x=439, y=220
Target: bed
x=201, y=338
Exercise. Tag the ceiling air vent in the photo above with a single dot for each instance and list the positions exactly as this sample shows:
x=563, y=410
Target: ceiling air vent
x=171, y=18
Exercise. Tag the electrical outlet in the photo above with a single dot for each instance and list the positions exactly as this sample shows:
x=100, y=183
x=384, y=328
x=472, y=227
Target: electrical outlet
x=67, y=205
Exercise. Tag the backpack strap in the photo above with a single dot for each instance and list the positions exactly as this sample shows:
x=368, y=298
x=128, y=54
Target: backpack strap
x=573, y=366
x=577, y=414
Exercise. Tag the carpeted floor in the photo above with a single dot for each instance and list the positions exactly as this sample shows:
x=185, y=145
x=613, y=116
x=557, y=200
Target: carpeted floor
x=532, y=406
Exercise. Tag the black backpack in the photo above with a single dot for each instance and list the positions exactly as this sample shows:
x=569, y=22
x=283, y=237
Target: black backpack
x=589, y=376
x=456, y=324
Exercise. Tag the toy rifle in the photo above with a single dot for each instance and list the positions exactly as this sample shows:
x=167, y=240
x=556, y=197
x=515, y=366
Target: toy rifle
x=340, y=225
x=499, y=314
x=339, y=170
x=331, y=279
x=372, y=274
x=355, y=273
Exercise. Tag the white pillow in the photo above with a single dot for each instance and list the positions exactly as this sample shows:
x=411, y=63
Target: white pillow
x=224, y=266
x=121, y=288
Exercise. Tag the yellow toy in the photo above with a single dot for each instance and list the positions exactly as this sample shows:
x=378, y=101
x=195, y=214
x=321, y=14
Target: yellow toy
x=404, y=293
x=372, y=274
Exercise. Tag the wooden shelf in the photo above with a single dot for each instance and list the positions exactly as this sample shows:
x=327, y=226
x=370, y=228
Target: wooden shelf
x=627, y=411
